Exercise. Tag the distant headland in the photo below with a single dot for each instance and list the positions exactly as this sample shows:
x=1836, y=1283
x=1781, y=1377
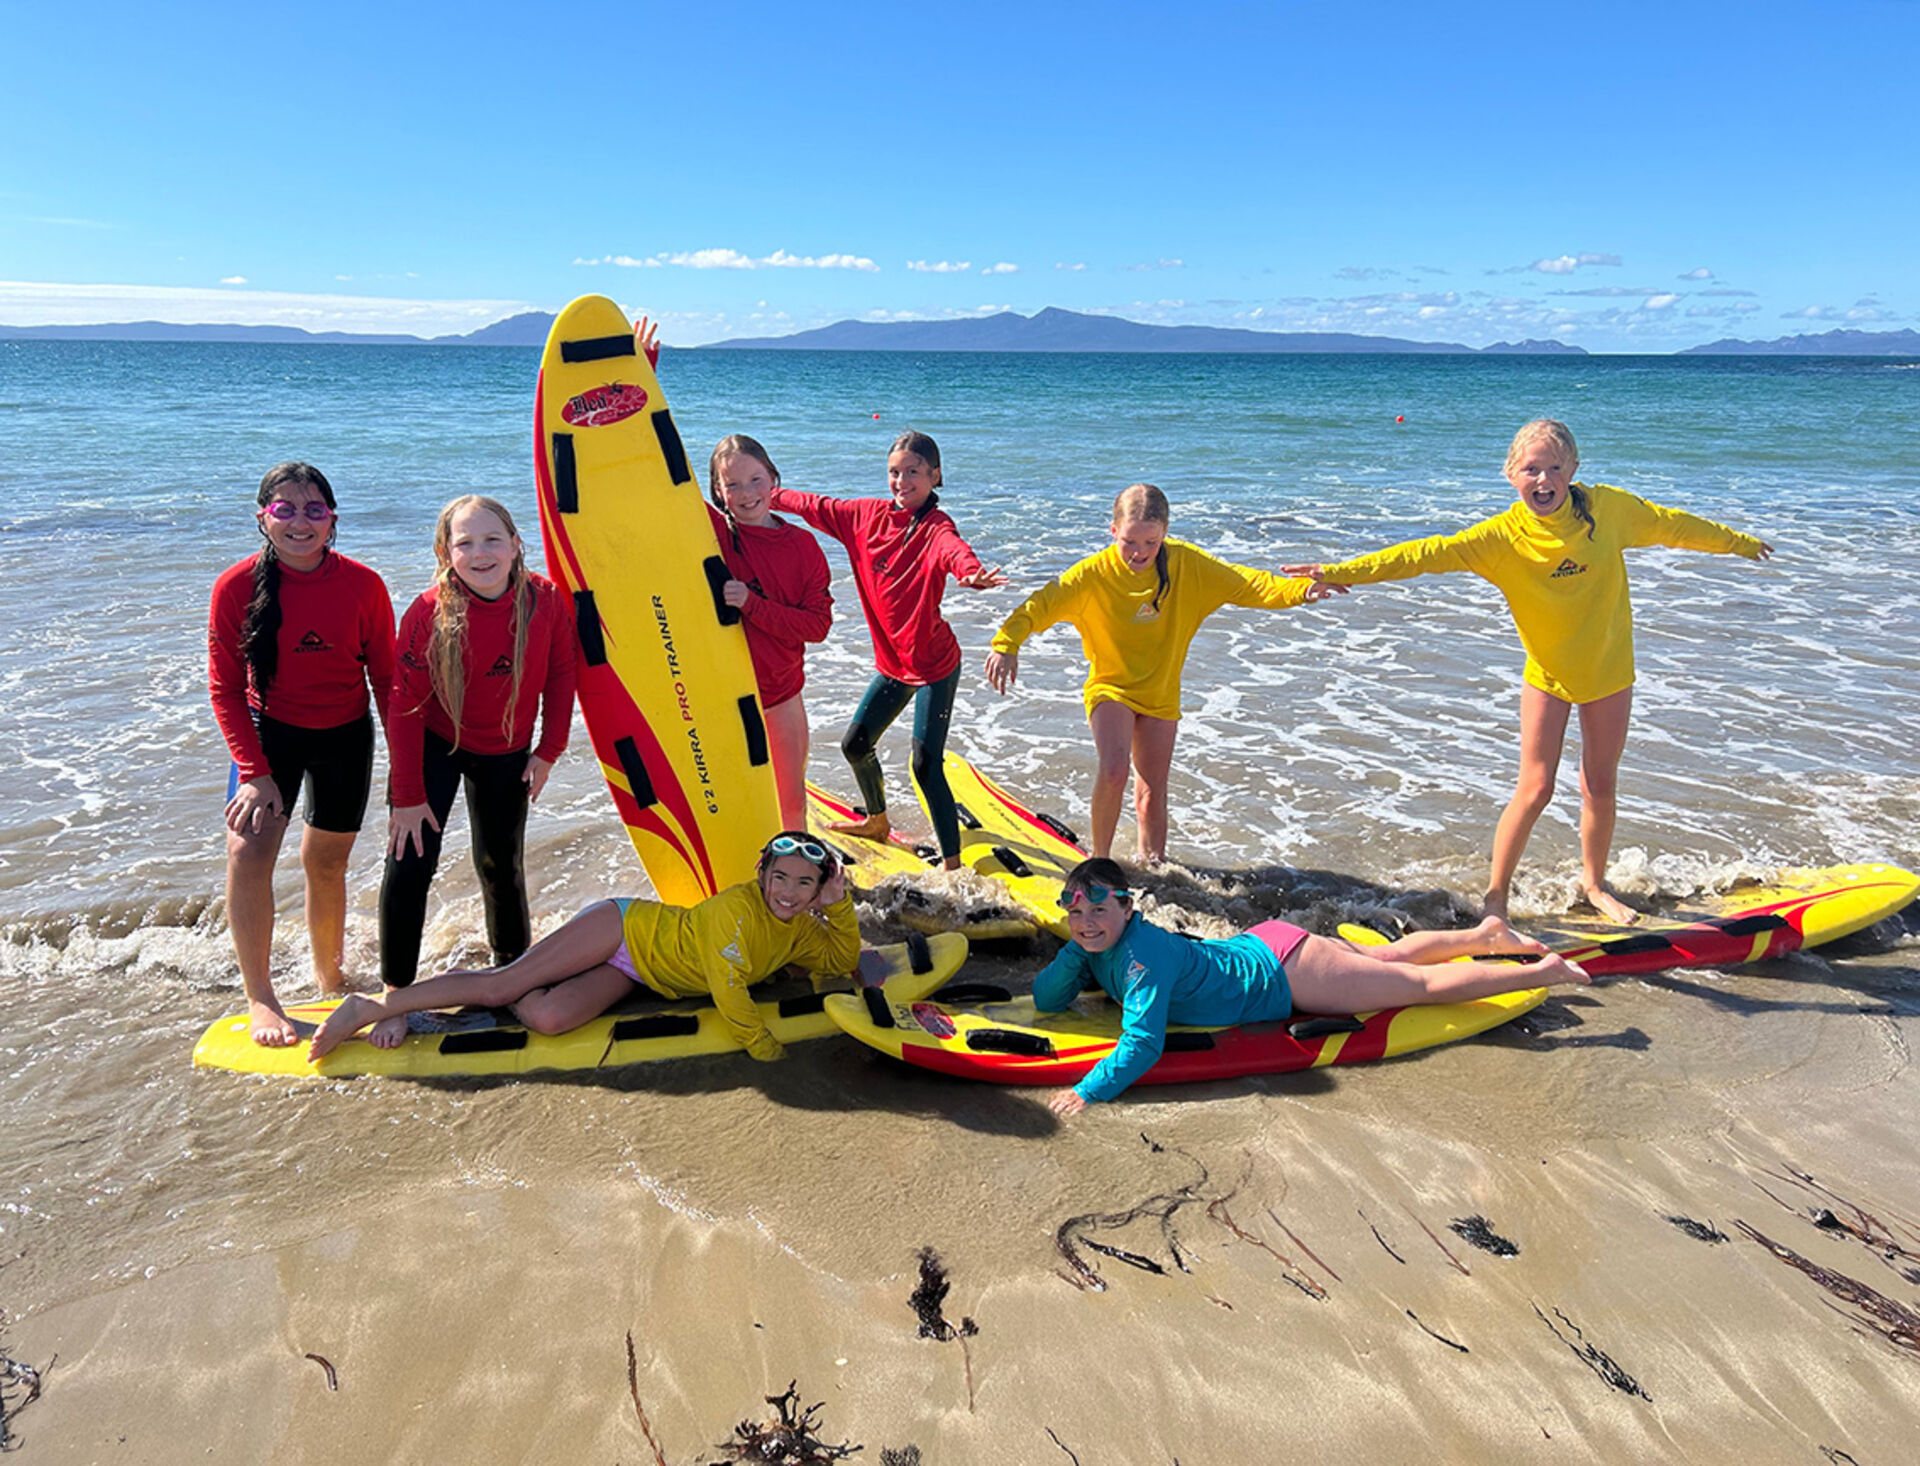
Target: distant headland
x=1051, y=329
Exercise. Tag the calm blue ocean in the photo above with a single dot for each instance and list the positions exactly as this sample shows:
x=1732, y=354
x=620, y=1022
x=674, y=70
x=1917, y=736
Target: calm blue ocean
x=1775, y=721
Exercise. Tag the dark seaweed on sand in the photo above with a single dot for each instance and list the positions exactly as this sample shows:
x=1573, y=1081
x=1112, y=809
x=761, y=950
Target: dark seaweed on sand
x=1594, y=1357
x=789, y=1439
x=1075, y=1232
x=19, y=1388
x=929, y=1300
x=1478, y=1231
x=1699, y=1231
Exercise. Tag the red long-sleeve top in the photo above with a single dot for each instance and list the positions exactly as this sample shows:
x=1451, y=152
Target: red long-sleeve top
x=336, y=650
x=791, y=604
x=901, y=571
x=546, y=681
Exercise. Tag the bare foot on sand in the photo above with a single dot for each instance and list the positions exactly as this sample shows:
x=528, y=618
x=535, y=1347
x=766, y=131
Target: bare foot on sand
x=272, y=1029
x=354, y=1013
x=873, y=827
x=1610, y=906
x=1493, y=935
x=1553, y=969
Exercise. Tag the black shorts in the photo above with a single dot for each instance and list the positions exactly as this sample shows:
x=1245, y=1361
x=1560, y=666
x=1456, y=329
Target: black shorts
x=335, y=764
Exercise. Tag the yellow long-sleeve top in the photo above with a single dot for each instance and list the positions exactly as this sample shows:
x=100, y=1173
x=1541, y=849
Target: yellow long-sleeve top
x=1568, y=593
x=1135, y=654
x=730, y=941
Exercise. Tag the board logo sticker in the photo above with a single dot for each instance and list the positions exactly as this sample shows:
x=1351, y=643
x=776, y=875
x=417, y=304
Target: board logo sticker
x=930, y=1018
x=601, y=406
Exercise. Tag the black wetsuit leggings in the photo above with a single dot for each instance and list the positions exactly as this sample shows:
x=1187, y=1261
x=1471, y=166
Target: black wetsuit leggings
x=932, y=713
x=497, y=810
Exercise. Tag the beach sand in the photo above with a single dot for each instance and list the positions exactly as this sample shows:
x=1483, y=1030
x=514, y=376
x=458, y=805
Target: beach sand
x=470, y=1258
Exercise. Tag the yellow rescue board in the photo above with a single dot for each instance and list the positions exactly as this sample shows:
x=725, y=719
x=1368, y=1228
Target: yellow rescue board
x=666, y=681
x=1005, y=841
x=475, y=1042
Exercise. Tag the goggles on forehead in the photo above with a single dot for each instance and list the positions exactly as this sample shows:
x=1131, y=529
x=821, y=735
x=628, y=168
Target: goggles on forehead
x=1072, y=900
x=316, y=510
x=795, y=845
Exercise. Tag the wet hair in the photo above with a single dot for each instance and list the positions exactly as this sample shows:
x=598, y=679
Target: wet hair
x=1560, y=436
x=826, y=867
x=1145, y=504
x=260, y=626
x=1097, y=870
x=447, y=645
x=928, y=451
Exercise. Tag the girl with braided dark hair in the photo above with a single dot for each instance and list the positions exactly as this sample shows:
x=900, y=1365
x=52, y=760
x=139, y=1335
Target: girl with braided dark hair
x=299, y=653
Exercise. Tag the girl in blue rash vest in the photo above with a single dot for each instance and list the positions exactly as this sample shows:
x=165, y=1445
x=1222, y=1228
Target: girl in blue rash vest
x=1159, y=977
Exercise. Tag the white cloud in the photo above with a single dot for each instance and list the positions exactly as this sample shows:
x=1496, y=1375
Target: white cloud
x=1158, y=265
x=1003, y=268
x=233, y=279
x=32, y=303
x=1063, y=265
x=1558, y=265
x=939, y=267
x=1703, y=273
x=733, y=259
x=1660, y=302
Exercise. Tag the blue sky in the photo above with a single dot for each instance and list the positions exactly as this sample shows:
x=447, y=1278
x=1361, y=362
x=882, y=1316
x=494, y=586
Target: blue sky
x=1624, y=177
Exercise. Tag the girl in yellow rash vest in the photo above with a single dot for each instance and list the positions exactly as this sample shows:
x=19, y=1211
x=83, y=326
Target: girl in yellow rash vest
x=1137, y=605
x=1556, y=556
x=796, y=910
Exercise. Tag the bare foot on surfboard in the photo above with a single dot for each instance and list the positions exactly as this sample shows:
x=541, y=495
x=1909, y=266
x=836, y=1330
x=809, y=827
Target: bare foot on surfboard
x=354, y=1012
x=387, y=1033
x=1495, y=937
x=1553, y=969
x=873, y=827
x=1610, y=906
x=271, y=1028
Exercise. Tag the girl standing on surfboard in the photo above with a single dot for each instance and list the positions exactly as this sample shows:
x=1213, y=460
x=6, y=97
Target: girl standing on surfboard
x=795, y=910
x=1263, y=975
x=299, y=645
x=1556, y=555
x=488, y=644
x=780, y=587
x=1137, y=605
x=903, y=548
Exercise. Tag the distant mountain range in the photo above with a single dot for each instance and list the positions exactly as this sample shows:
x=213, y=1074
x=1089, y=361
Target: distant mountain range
x=1828, y=343
x=526, y=329
x=1048, y=330
x=1062, y=330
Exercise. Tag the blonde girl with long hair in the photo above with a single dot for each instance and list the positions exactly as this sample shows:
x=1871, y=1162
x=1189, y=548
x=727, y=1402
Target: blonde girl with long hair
x=1137, y=605
x=482, y=651
x=1556, y=554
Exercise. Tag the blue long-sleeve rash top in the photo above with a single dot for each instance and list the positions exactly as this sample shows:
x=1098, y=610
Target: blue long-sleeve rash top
x=1159, y=977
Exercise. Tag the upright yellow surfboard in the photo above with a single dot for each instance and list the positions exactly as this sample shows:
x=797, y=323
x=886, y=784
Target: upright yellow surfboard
x=666, y=682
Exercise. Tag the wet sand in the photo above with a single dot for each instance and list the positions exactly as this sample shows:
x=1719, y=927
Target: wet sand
x=470, y=1257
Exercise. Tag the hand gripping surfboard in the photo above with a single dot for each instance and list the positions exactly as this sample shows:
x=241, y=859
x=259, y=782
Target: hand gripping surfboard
x=666, y=681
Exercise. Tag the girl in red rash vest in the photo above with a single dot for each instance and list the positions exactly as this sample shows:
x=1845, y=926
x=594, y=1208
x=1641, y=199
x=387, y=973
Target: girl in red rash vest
x=779, y=585
x=903, y=548
x=478, y=653
x=299, y=647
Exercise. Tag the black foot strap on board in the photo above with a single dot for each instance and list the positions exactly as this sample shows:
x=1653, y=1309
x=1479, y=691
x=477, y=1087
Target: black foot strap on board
x=1307, y=1028
x=878, y=1009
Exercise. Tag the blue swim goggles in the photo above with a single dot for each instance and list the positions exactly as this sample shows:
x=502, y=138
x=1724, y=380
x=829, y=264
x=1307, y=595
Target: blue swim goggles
x=798, y=845
x=1091, y=896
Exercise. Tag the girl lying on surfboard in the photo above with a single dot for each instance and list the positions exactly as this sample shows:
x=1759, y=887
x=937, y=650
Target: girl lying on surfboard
x=1137, y=605
x=1263, y=975
x=795, y=910
x=299, y=646
x=480, y=652
x=779, y=585
x=903, y=548
x=1556, y=555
